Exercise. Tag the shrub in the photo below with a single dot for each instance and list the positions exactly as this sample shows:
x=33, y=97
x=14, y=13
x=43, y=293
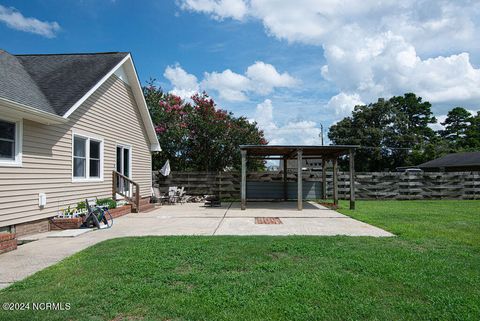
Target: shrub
x=81, y=206
x=110, y=203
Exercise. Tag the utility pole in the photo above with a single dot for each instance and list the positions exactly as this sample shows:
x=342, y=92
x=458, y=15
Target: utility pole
x=321, y=133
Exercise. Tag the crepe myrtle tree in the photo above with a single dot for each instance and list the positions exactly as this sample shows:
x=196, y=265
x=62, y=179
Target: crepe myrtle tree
x=197, y=135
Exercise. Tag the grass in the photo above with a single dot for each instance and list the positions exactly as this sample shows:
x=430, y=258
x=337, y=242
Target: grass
x=431, y=271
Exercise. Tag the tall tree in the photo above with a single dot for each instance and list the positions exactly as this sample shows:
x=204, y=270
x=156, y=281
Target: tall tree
x=456, y=125
x=197, y=135
x=472, y=134
x=366, y=127
x=388, y=131
x=410, y=134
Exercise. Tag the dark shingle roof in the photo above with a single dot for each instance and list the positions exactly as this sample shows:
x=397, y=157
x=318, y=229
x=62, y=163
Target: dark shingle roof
x=466, y=159
x=54, y=82
x=17, y=85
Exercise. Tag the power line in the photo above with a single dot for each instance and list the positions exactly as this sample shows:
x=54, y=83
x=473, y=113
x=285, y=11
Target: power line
x=385, y=147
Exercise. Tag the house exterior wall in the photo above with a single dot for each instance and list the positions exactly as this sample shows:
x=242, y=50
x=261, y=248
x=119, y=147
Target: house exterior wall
x=110, y=113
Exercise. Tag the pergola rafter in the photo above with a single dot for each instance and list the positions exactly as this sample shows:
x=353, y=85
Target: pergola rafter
x=300, y=152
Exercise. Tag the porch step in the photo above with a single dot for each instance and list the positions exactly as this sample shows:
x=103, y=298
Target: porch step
x=145, y=200
x=146, y=207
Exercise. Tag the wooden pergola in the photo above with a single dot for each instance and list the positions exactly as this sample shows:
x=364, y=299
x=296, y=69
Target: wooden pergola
x=300, y=152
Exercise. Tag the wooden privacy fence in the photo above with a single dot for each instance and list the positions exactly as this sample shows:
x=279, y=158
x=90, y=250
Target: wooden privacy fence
x=374, y=185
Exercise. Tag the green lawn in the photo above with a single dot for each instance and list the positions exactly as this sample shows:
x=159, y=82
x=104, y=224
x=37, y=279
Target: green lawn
x=431, y=271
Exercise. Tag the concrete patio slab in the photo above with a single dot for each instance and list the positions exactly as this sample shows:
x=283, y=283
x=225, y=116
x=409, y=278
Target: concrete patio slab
x=136, y=225
x=300, y=226
x=281, y=209
x=186, y=219
x=189, y=210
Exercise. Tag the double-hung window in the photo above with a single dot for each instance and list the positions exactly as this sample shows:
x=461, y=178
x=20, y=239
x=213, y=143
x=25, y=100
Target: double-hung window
x=10, y=143
x=87, y=158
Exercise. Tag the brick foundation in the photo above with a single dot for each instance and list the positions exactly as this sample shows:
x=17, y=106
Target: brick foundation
x=145, y=204
x=66, y=223
x=120, y=211
x=33, y=227
x=8, y=242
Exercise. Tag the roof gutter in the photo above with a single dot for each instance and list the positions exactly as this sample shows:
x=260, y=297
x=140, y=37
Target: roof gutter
x=29, y=112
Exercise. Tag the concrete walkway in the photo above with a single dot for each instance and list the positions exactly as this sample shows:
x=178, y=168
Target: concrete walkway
x=186, y=219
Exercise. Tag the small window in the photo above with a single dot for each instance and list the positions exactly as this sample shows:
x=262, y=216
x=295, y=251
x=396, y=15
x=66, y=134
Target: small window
x=10, y=143
x=87, y=158
x=95, y=158
x=79, y=157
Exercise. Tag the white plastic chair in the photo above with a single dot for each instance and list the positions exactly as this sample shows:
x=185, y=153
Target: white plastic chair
x=181, y=195
x=172, y=194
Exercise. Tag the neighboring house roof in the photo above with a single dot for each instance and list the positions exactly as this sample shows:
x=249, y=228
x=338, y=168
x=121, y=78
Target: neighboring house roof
x=52, y=86
x=457, y=160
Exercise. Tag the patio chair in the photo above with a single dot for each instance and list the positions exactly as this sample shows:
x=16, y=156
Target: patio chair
x=158, y=196
x=182, y=197
x=172, y=195
x=212, y=201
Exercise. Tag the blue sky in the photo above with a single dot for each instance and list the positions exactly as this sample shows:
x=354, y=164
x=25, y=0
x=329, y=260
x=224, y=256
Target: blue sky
x=288, y=65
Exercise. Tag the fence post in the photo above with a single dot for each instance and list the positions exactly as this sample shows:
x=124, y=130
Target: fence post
x=324, y=179
x=285, y=177
x=335, y=181
x=352, y=179
x=299, y=180
x=243, y=183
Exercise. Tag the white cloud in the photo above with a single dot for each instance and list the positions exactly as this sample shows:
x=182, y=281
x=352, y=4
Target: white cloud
x=184, y=84
x=265, y=78
x=344, y=103
x=388, y=65
x=218, y=9
x=264, y=116
x=381, y=48
x=429, y=25
x=16, y=20
x=260, y=78
x=229, y=85
x=438, y=125
x=293, y=132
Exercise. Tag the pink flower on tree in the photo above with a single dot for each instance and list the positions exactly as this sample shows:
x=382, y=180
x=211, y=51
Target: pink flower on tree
x=160, y=129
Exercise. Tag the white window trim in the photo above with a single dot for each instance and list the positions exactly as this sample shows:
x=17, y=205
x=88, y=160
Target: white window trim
x=17, y=162
x=130, y=149
x=88, y=137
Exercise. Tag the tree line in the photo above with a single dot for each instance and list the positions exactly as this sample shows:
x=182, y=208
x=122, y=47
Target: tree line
x=397, y=132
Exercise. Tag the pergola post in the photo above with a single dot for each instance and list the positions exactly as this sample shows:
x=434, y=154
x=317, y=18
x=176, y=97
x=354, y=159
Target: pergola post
x=285, y=186
x=351, y=158
x=335, y=181
x=299, y=180
x=243, y=189
x=324, y=179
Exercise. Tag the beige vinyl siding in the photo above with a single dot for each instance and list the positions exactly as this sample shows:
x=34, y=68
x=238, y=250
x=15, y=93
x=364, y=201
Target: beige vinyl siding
x=111, y=113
